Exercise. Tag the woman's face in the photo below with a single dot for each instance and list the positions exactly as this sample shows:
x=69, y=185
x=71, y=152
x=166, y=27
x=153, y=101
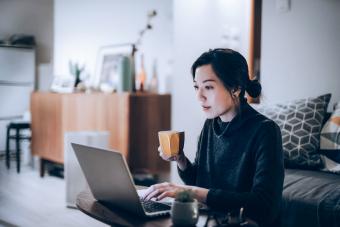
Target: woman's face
x=215, y=99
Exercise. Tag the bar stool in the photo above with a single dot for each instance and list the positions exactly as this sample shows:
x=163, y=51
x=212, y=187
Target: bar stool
x=18, y=137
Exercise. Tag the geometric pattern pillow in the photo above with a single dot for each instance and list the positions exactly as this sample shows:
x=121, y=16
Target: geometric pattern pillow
x=330, y=141
x=300, y=122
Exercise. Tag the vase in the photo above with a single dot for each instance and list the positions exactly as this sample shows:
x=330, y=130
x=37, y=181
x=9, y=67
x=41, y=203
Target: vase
x=184, y=213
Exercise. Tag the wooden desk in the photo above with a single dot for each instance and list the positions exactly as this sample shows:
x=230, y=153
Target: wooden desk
x=115, y=217
x=111, y=216
x=132, y=119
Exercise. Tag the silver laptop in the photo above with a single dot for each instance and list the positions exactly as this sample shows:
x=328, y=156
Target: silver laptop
x=110, y=181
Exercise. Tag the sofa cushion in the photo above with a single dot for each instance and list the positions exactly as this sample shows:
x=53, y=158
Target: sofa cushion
x=330, y=141
x=310, y=198
x=300, y=122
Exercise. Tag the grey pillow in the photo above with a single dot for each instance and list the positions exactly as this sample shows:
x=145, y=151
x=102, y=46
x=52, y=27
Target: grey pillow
x=330, y=142
x=300, y=122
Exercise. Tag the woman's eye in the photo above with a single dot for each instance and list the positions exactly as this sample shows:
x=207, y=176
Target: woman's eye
x=209, y=87
x=195, y=87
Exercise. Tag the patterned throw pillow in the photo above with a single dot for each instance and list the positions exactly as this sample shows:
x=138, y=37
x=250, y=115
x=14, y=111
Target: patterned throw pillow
x=300, y=122
x=330, y=142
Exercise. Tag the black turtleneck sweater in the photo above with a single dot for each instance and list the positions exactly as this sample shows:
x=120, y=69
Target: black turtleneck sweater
x=241, y=163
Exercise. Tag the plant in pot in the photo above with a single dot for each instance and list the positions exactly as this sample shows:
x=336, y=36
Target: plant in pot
x=76, y=70
x=184, y=210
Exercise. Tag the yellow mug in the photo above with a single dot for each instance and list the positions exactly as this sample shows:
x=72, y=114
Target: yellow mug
x=171, y=142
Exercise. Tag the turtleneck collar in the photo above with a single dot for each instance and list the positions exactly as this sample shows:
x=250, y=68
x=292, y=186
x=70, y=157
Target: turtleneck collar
x=226, y=128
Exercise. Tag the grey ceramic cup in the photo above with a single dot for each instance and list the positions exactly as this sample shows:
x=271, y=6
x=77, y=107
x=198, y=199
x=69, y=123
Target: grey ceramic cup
x=184, y=213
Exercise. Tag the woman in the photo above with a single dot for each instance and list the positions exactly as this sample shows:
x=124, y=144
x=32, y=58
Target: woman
x=239, y=161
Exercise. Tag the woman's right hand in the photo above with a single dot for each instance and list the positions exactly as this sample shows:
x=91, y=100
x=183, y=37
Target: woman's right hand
x=167, y=158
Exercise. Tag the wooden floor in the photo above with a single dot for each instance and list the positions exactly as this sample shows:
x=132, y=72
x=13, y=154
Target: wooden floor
x=28, y=200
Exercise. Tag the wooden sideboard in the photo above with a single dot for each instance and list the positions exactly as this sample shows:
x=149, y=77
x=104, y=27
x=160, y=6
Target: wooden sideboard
x=132, y=119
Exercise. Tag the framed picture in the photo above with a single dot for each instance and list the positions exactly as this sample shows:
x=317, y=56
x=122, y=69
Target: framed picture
x=115, y=68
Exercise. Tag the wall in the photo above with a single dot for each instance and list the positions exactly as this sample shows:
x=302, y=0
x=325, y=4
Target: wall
x=182, y=31
x=34, y=17
x=301, y=50
x=198, y=26
x=83, y=26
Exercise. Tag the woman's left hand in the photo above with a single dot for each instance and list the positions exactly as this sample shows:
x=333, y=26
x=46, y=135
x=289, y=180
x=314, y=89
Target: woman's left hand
x=162, y=190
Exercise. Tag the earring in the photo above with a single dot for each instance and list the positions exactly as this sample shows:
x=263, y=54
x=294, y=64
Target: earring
x=234, y=95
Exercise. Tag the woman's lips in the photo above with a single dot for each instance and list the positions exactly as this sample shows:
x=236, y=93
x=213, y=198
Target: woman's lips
x=205, y=108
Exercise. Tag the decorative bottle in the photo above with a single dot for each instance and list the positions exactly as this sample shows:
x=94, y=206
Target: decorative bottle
x=153, y=86
x=141, y=75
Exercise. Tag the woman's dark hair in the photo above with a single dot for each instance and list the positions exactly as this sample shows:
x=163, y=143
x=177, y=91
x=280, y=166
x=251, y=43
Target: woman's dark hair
x=231, y=68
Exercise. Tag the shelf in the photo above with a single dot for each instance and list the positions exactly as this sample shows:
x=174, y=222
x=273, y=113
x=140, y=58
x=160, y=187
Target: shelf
x=15, y=83
x=9, y=118
x=133, y=121
x=18, y=46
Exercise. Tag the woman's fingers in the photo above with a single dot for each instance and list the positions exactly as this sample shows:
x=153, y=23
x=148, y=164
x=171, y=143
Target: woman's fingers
x=165, y=157
x=173, y=158
x=157, y=189
x=163, y=190
x=153, y=194
x=148, y=191
x=165, y=194
x=153, y=191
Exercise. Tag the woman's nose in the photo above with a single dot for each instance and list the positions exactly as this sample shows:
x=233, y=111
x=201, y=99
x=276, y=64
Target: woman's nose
x=200, y=95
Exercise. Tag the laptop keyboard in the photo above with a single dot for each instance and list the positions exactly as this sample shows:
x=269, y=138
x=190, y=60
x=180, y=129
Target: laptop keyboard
x=151, y=206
